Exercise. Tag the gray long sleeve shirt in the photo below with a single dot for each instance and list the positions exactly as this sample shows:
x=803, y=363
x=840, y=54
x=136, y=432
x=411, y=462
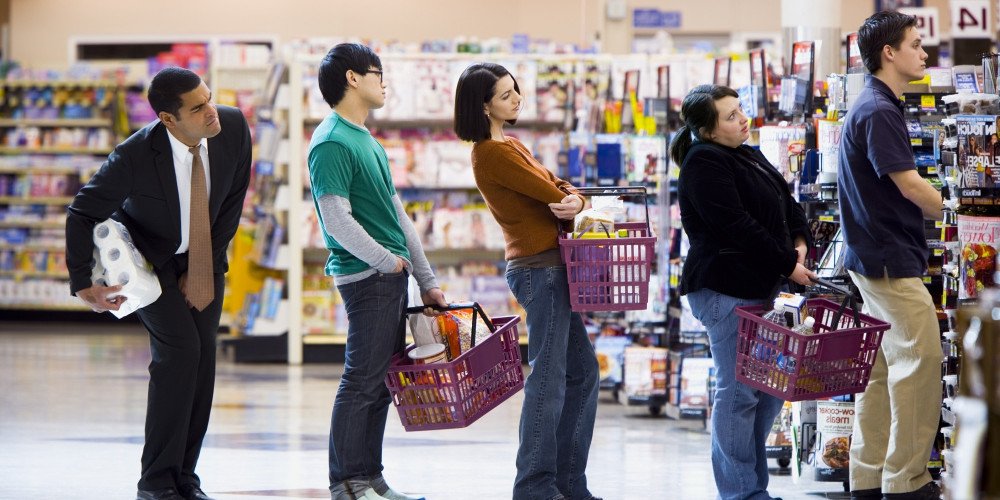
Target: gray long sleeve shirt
x=341, y=225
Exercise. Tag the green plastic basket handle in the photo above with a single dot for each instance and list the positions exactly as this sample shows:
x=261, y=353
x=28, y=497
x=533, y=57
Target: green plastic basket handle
x=476, y=309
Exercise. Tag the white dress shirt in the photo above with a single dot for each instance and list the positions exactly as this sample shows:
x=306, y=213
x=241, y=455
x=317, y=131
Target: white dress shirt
x=183, y=160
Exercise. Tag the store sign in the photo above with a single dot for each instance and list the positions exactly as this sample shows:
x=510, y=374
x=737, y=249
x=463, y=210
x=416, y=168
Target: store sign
x=928, y=23
x=970, y=19
x=655, y=18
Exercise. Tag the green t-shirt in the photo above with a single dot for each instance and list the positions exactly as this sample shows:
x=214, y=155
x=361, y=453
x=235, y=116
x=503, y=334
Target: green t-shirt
x=346, y=161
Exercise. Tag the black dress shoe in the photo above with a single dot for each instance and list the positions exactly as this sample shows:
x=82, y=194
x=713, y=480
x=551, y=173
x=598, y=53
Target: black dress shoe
x=193, y=492
x=164, y=494
x=872, y=494
x=929, y=491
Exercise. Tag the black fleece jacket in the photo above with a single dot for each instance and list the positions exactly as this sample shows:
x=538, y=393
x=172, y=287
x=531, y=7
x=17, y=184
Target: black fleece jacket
x=741, y=220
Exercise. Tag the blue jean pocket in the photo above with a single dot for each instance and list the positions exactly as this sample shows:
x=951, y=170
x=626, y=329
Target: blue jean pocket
x=519, y=282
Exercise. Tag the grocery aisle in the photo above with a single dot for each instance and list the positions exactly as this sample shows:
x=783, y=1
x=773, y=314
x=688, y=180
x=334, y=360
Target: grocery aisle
x=72, y=401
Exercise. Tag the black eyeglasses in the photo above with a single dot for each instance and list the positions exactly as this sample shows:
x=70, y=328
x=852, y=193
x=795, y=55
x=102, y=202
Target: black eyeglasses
x=379, y=73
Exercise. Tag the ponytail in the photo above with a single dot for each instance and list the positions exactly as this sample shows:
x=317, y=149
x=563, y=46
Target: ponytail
x=680, y=145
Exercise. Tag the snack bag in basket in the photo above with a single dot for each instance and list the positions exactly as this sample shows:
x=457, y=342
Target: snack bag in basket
x=457, y=326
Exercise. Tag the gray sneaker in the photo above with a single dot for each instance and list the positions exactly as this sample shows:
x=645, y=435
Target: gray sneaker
x=383, y=489
x=354, y=489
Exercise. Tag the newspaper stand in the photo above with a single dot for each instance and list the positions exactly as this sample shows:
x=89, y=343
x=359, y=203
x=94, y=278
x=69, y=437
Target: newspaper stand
x=610, y=274
x=454, y=394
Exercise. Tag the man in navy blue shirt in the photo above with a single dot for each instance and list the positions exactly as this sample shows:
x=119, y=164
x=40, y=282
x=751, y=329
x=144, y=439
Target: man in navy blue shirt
x=883, y=204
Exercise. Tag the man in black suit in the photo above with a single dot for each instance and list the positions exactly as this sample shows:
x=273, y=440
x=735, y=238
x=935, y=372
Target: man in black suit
x=148, y=185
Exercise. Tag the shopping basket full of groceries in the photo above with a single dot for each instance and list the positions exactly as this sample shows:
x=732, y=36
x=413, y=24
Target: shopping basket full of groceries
x=800, y=349
x=608, y=263
x=460, y=366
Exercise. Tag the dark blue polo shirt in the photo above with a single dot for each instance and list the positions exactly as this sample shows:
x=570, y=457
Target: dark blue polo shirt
x=883, y=230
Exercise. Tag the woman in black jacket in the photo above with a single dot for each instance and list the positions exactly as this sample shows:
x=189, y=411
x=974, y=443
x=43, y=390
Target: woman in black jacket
x=746, y=233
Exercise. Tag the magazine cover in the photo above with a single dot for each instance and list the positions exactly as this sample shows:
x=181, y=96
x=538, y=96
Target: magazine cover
x=552, y=90
x=525, y=72
x=400, y=95
x=647, y=157
x=978, y=239
x=978, y=149
x=433, y=89
x=592, y=80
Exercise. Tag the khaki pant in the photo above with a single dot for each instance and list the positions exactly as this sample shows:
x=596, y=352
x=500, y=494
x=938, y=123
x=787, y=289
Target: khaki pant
x=897, y=416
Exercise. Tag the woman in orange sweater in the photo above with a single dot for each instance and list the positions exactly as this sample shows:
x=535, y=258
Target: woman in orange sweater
x=560, y=394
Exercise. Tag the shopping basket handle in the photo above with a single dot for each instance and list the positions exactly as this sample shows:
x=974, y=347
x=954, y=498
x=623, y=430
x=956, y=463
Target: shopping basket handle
x=848, y=300
x=620, y=191
x=457, y=306
x=837, y=288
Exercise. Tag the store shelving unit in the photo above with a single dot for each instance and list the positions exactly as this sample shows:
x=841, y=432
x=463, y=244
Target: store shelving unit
x=45, y=157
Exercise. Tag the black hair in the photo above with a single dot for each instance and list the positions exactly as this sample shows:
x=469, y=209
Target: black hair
x=699, y=115
x=476, y=87
x=881, y=29
x=333, y=69
x=168, y=85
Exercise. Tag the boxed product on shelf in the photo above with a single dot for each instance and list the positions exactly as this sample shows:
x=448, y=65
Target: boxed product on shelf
x=778, y=143
x=611, y=357
x=481, y=280
x=30, y=293
x=464, y=228
x=689, y=381
x=834, y=424
x=645, y=372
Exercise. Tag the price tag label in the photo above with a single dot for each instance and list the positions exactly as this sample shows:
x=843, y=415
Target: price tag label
x=970, y=19
x=928, y=102
x=938, y=252
x=932, y=170
x=927, y=279
x=826, y=218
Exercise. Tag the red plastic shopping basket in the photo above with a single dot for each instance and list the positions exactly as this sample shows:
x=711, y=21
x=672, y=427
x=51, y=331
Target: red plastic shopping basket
x=835, y=360
x=610, y=274
x=454, y=394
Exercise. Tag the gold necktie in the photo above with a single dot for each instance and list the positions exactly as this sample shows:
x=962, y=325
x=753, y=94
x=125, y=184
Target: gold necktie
x=199, y=286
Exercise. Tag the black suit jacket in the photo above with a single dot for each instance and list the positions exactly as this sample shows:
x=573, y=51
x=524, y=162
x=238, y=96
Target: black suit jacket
x=137, y=186
x=740, y=218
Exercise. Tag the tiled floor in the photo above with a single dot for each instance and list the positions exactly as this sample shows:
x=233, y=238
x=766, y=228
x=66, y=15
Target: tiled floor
x=72, y=401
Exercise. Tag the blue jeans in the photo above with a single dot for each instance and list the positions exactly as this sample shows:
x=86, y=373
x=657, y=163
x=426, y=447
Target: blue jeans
x=376, y=328
x=739, y=458
x=560, y=394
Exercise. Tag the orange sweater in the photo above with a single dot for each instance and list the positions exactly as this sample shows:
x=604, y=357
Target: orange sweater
x=517, y=190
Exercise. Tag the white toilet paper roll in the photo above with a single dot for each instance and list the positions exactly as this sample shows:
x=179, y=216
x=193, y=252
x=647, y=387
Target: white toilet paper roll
x=121, y=263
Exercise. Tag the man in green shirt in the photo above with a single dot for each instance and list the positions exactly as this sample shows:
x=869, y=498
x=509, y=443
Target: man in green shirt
x=373, y=251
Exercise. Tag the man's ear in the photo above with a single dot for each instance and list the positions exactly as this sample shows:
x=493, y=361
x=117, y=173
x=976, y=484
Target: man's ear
x=352, y=78
x=887, y=52
x=168, y=119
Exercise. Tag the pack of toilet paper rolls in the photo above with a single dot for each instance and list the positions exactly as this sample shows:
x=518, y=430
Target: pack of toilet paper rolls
x=118, y=262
